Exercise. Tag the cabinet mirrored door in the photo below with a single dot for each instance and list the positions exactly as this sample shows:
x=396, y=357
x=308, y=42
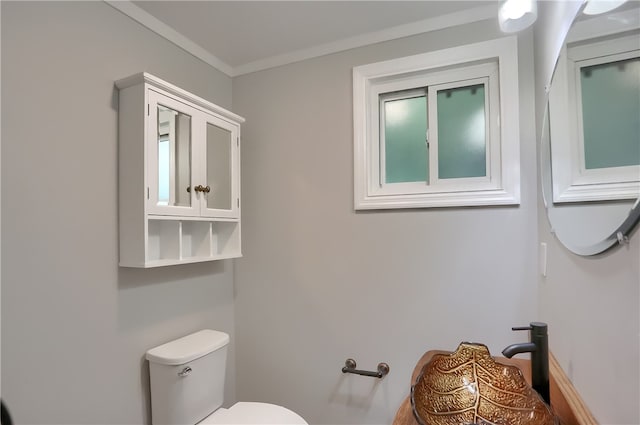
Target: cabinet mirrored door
x=174, y=157
x=221, y=150
x=170, y=135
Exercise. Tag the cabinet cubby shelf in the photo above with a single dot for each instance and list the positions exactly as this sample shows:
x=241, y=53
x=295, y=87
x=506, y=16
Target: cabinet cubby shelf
x=185, y=240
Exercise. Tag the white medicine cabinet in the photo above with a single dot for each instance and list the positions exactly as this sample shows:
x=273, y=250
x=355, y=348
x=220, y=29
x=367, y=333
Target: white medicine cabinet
x=179, y=176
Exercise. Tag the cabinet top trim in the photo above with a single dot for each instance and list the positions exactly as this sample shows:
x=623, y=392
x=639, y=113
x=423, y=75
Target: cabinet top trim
x=145, y=77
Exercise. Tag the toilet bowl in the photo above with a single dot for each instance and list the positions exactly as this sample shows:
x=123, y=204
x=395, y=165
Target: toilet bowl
x=187, y=385
x=254, y=413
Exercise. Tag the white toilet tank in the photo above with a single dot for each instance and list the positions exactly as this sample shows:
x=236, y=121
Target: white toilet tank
x=187, y=377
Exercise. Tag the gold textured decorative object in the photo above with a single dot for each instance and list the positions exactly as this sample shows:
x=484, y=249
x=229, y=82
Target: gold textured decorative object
x=470, y=387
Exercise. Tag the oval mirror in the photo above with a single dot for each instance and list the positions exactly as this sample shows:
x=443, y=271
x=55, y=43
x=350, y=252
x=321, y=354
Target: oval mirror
x=590, y=157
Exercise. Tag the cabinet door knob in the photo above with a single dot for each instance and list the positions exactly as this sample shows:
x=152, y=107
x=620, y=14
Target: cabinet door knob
x=206, y=189
x=189, y=189
x=199, y=188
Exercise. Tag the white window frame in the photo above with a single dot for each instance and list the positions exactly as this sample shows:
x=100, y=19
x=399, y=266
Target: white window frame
x=572, y=182
x=429, y=85
x=492, y=137
x=493, y=63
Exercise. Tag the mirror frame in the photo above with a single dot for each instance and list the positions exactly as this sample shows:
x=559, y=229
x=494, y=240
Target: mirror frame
x=624, y=231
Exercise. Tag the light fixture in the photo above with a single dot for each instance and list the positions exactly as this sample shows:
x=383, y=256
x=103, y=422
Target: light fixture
x=516, y=15
x=596, y=7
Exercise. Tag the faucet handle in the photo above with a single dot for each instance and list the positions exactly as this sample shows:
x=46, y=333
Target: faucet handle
x=521, y=328
x=537, y=328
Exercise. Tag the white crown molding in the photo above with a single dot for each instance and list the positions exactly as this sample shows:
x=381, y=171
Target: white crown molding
x=164, y=30
x=462, y=17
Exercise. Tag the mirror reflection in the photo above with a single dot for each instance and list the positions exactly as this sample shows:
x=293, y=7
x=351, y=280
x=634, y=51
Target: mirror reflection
x=591, y=166
x=174, y=157
x=218, y=167
x=610, y=103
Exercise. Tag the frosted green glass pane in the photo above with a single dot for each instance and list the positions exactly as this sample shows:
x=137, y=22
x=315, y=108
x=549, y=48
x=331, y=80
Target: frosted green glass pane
x=461, y=133
x=405, y=128
x=611, y=114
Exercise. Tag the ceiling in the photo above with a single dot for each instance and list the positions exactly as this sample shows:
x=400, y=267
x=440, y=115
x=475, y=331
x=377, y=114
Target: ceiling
x=244, y=36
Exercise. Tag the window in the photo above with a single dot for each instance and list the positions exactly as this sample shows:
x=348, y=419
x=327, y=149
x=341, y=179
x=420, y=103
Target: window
x=595, y=118
x=174, y=153
x=166, y=172
x=428, y=133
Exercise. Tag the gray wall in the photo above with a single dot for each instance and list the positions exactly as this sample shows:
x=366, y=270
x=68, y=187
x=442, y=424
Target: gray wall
x=592, y=304
x=319, y=283
x=75, y=327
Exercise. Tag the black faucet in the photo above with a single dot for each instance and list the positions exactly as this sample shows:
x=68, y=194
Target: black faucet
x=539, y=349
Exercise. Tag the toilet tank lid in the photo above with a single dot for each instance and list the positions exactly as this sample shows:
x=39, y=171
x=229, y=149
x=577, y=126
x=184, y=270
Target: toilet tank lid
x=188, y=348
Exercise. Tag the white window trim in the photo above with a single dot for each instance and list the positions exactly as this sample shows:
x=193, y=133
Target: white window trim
x=438, y=67
x=571, y=181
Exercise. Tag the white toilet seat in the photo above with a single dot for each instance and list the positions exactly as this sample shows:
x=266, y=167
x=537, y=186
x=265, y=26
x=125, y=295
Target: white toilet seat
x=249, y=413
